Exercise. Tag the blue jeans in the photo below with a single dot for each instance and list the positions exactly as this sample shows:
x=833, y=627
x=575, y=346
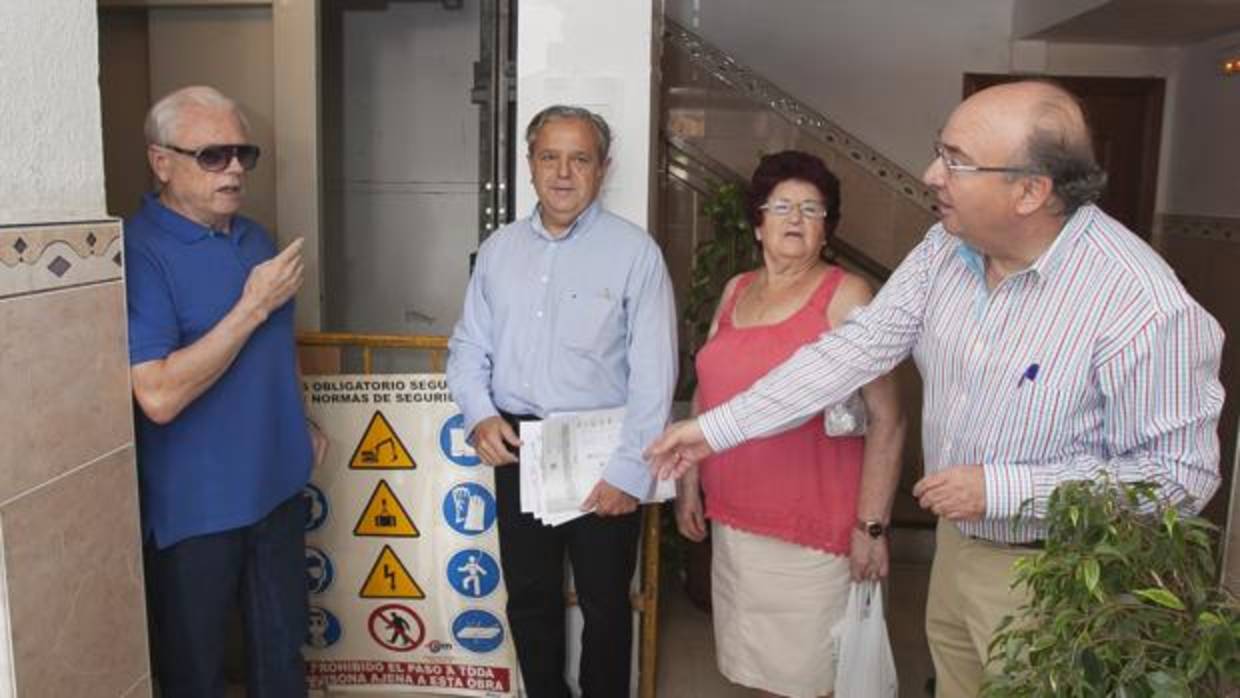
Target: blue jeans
x=193, y=585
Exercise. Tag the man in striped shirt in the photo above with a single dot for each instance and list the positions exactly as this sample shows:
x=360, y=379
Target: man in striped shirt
x=1054, y=345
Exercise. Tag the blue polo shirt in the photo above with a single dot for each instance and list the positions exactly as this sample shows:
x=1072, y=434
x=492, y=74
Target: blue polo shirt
x=241, y=448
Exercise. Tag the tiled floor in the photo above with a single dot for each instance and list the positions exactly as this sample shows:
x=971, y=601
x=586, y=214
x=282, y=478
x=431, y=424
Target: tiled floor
x=687, y=649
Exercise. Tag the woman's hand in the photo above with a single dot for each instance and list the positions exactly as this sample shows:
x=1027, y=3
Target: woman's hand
x=690, y=515
x=868, y=557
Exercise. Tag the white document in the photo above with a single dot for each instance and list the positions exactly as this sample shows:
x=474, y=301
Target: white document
x=563, y=458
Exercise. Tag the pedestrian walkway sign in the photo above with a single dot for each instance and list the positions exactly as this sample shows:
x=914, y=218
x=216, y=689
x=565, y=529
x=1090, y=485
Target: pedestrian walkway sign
x=389, y=579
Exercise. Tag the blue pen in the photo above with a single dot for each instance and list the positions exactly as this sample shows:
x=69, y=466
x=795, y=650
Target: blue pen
x=1030, y=374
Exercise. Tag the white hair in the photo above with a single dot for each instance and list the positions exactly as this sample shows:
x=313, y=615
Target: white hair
x=163, y=118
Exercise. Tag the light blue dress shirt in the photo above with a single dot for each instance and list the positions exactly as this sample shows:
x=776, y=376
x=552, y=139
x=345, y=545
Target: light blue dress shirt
x=583, y=321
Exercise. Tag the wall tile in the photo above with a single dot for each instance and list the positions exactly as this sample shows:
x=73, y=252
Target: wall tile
x=65, y=382
x=74, y=565
x=141, y=689
x=43, y=257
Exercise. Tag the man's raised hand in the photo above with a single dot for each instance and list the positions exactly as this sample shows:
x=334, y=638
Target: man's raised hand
x=272, y=283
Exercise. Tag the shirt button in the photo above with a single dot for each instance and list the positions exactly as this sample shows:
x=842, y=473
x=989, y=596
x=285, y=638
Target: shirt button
x=545, y=278
x=538, y=314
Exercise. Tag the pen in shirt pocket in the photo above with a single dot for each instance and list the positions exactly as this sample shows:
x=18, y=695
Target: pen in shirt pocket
x=1030, y=375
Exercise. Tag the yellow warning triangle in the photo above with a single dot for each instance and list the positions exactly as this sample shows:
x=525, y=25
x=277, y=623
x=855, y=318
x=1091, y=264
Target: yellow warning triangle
x=380, y=448
x=389, y=579
x=385, y=516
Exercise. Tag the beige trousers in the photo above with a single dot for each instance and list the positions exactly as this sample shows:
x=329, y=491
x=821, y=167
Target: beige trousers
x=970, y=593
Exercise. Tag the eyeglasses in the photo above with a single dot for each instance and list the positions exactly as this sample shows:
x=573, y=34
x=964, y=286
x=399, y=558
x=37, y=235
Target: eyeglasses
x=783, y=207
x=217, y=158
x=954, y=166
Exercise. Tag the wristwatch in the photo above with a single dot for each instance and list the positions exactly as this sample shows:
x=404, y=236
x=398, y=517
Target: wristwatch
x=874, y=529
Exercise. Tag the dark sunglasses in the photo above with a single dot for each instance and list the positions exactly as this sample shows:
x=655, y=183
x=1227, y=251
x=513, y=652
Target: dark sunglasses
x=216, y=158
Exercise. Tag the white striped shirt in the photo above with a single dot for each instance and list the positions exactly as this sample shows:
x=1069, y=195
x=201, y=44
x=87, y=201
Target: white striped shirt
x=1093, y=359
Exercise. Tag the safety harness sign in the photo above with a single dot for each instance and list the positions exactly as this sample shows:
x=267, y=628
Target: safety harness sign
x=402, y=558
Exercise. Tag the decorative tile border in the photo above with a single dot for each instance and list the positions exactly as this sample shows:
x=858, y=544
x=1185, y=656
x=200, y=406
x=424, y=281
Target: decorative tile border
x=43, y=257
x=1199, y=227
x=759, y=89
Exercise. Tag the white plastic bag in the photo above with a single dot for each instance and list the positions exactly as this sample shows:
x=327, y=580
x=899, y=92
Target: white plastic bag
x=865, y=667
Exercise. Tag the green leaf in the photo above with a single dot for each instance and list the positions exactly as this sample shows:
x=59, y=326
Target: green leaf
x=1208, y=618
x=1092, y=572
x=1161, y=597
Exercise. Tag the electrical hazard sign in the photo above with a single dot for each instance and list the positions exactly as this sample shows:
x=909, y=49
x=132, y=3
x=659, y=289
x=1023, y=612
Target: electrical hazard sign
x=385, y=516
x=380, y=448
x=389, y=579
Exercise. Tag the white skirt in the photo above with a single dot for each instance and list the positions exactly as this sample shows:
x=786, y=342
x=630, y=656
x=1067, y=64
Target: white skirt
x=774, y=604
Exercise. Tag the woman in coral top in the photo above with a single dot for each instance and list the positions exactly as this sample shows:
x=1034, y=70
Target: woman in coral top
x=797, y=515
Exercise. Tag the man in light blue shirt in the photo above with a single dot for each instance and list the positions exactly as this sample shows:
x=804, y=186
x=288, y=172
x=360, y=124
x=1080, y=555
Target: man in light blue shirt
x=568, y=309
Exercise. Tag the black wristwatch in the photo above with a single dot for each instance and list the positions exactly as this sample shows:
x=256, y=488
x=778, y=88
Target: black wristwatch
x=874, y=529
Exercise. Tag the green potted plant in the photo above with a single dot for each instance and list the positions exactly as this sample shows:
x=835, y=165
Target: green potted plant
x=1124, y=601
x=729, y=251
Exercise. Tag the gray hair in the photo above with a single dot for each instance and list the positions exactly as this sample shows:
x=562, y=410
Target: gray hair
x=1060, y=146
x=164, y=117
x=602, y=131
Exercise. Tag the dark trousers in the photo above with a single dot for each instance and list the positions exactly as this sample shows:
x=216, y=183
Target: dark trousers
x=603, y=554
x=193, y=585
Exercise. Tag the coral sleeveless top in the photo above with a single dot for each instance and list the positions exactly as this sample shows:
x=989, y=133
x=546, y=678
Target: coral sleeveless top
x=800, y=485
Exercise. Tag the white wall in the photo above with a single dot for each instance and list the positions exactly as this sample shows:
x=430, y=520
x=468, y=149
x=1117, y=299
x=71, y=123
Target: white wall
x=1204, y=169
x=52, y=163
x=1030, y=16
x=601, y=60
x=887, y=71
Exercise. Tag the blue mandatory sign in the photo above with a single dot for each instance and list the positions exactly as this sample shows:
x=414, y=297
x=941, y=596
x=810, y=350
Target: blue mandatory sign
x=324, y=628
x=477, y=631
x=453, y=444
x=473, y=573
x=319, y=570
x=469, y=508
x=316, y=512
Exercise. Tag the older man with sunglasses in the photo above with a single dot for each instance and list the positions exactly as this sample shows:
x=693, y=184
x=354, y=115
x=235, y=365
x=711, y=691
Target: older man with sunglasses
x=223, y=444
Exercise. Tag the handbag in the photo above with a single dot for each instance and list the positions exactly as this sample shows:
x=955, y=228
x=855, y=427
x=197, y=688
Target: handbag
x=865, y=667
x=847, y=418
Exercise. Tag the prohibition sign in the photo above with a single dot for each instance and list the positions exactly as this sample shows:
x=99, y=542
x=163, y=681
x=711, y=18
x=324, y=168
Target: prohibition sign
x=396, y=627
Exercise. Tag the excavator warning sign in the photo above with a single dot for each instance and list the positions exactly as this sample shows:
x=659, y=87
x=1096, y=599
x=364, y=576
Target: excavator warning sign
x=389, y=579
x=380, y=448
x=384, y=515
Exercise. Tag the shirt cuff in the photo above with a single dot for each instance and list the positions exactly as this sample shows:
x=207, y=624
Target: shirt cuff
x=473, y=417
x=1007, y=487
x=720, y=428
x=634, y=479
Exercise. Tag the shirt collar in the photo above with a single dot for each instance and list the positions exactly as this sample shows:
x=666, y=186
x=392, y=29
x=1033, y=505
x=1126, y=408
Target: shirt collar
x=582, y=223
x=182, y=228
x=1049, y=260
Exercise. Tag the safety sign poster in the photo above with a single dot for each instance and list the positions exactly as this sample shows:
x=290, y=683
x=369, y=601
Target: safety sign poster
x=402, y=557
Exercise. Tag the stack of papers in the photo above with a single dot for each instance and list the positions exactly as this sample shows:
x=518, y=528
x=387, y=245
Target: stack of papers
x=562, y=459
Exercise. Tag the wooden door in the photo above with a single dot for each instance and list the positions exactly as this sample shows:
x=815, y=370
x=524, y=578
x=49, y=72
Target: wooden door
x=1125, y=115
